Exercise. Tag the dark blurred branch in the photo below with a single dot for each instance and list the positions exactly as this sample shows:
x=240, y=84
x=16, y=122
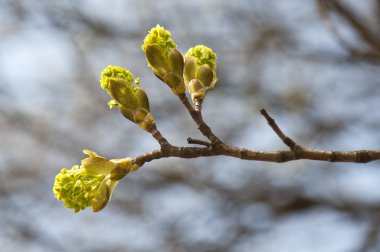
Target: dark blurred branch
x=364, y=32
x=371, y=237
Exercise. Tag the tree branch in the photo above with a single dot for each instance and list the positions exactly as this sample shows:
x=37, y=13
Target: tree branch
x=219, y=148
x=356, y=24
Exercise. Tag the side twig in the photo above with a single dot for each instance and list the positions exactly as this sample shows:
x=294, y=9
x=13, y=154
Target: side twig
x=191, y=140
x=197, y=117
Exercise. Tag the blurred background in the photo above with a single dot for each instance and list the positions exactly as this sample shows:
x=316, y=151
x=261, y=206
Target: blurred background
x=314, y=65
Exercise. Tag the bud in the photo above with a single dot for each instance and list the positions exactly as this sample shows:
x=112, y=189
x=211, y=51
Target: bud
x=121, y=86
x=200, y=64
x=160, y=37
x=164, y=59
x=92, y=183
x=114, y=72
x=76, y=188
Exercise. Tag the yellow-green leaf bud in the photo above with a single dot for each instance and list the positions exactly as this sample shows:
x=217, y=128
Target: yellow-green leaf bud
x=203, y=55
x=92, y=183
x=114, y=72
x=164, y=58
x=161, y=37
x=200, y=64
x=126, y=95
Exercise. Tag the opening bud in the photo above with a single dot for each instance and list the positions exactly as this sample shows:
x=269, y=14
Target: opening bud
x=91, y=183
x=164, y=59
x=126, y=95
x=200, y=64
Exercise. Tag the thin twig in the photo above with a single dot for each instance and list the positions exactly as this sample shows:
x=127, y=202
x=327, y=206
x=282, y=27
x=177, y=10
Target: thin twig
x=197, y=117
x=272, y=123
x=191, y=140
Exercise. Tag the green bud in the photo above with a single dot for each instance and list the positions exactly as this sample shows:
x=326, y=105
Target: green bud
x=200, y=64
x=126, y=95
x=203, y=55
x=114, y=72
x=92, y=183
x=144, y=119
x=161, y=37
x=166, y=61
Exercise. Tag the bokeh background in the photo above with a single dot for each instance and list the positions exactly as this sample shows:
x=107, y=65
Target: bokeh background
x=314, y=65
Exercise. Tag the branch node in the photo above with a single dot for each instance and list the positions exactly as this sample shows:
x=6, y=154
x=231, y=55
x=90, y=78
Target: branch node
x=362, y=156
x=333, y=157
